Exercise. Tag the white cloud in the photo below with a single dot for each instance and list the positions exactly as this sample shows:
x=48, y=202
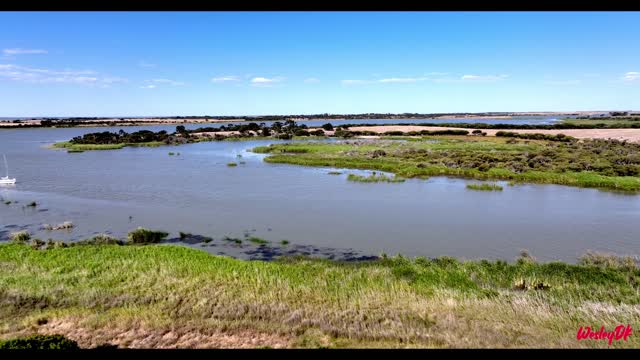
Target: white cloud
x=41, y=76
x=145, y=64
x=265, y=82
x=311, y=80
x=483, y=77
x=148, y=86
x=631, y=76
x=19, y=51
x=222, y=79
x=166, y=81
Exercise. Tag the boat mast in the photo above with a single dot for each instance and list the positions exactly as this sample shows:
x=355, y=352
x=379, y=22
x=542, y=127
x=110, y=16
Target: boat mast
x=5, y=164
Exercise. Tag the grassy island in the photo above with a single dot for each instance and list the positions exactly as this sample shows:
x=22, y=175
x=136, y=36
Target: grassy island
x=608, y=164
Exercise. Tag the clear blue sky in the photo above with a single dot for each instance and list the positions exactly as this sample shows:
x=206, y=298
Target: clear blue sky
x=253, y=63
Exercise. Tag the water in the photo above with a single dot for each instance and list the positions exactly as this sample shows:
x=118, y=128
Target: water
x=196, y=192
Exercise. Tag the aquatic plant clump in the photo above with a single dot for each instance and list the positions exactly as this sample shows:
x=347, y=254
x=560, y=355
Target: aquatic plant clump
x=484, y=187
x=373, y=178
x=64, y=226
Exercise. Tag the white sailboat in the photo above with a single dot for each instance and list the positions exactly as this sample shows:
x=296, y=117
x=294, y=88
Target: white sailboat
x=5, y=180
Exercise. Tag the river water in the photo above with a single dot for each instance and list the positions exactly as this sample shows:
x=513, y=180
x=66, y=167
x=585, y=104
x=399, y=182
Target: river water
x=319, y=214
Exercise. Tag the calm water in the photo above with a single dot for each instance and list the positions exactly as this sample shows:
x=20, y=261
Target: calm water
x=116, y=191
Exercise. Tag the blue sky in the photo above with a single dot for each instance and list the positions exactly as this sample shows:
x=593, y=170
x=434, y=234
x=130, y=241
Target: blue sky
x=258, y=63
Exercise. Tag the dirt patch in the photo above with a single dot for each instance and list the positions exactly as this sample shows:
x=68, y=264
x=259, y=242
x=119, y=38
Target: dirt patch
x=631, y=135
x=141, y=337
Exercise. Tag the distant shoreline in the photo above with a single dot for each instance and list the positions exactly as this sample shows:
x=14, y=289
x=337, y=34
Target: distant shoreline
x=110, y=122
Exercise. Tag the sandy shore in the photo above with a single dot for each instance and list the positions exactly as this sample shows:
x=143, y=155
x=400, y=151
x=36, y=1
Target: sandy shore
x=631, y=135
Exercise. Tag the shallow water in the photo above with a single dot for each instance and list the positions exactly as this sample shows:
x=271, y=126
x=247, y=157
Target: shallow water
x=196, y=192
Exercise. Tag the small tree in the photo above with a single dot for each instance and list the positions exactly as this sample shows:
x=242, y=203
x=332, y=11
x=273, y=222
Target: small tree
x=327, y=127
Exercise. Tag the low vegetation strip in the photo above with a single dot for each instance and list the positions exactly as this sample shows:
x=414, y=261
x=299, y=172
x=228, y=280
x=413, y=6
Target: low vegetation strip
x=606, y=164
x=391, y=302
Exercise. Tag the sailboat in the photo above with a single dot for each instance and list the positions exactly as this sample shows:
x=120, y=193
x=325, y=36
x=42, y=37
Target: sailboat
x=5, y=180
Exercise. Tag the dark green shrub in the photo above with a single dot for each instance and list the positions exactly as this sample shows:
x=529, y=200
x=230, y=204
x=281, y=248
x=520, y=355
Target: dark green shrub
x=146, y=236
x=327, y=127
x=40, y=342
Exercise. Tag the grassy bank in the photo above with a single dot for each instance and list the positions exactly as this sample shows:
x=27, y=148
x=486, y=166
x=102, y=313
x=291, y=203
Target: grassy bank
x=154, y=296
x=590, y=163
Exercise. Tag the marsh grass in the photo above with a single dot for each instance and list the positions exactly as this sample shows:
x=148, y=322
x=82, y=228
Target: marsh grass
x=98, y=293
x=334, y=173
x=232, y=164
x=484, y=187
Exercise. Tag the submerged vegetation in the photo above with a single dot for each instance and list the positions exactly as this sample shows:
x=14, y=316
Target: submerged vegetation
x=484, y=187
x=594, y=163
x=64, y=226
x=95, y=294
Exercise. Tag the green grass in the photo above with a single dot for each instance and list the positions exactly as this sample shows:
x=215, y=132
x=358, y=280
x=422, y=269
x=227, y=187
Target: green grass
x=592, y=163
x=123, y=294
x=374, y=178
x=87, y=147
x=484, y=187
x=232, y=164
x=334, y=173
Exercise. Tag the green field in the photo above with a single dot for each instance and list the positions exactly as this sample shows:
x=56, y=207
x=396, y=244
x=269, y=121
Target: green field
x=589, y=163
x=166, y=295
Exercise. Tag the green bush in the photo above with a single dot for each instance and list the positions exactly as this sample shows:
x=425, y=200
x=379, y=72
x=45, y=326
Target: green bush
x=146, y=236
x=39, y=342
